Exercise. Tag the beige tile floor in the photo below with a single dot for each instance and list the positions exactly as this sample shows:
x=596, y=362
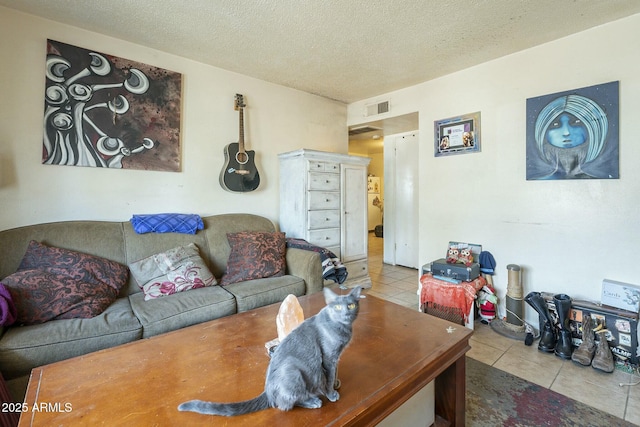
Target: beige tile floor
x=584, y=384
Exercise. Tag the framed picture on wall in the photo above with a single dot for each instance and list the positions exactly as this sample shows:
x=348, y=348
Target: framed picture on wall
x=574, y=134
x=105, y=111
x=457, y=135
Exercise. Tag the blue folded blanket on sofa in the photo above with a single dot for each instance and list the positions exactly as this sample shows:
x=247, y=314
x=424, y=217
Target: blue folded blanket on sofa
x=332, y=268
x=167, y=223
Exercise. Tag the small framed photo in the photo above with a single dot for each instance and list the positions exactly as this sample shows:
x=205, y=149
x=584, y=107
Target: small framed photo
x=457, y=135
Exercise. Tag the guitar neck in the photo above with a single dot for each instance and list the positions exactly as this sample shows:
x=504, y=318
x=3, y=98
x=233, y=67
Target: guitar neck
x=241, y=131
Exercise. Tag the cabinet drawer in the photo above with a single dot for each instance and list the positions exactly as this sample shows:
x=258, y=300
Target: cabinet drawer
x=324, y=181
x=324, y=219
x=319, y=200
x=357, y=268
x=316, y=166
x=325, y=238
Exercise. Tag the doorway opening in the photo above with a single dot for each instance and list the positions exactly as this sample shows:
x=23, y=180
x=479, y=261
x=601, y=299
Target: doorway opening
x=385, y=219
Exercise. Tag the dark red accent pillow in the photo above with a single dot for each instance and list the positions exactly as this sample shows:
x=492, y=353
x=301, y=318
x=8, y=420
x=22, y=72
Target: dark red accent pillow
x=41, y=296
x=55, y=283
x=255, y=255
x=83, y=267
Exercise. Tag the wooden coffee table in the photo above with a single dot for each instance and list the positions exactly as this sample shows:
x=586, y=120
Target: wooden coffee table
x=395, y=352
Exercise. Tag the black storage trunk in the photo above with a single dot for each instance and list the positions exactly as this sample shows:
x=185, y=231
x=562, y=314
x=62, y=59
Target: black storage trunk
x=455, y=271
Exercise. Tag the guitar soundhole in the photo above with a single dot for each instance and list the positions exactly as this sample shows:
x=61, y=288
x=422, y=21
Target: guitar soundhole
x=242, y=157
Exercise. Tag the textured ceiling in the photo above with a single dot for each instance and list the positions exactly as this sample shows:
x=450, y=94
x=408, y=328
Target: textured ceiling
x=347, y=50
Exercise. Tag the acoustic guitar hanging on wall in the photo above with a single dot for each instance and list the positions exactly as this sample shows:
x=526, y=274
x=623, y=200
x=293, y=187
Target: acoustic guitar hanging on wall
x=239, y=173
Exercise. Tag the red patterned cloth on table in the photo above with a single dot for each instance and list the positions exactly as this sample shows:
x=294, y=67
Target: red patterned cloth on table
x=449, y=297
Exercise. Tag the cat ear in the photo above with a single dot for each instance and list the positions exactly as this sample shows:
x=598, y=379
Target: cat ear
x=329, y=295
x=355, y=292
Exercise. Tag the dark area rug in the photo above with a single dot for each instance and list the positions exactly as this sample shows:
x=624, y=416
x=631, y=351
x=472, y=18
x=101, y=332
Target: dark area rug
x=497, y=398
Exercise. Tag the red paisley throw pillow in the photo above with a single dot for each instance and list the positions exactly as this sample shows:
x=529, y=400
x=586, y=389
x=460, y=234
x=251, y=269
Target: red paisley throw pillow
x=255, y=255
x=54, y=283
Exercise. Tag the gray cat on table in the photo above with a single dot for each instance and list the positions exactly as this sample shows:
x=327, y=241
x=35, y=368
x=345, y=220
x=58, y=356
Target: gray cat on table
x=303, y=366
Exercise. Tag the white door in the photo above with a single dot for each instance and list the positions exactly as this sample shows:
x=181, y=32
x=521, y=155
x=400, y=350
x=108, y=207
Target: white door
x=354, y=212
x=401, y=197
x=407, y=200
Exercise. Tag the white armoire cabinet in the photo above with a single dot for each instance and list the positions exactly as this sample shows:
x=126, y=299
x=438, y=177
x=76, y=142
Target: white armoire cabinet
x=323, y=200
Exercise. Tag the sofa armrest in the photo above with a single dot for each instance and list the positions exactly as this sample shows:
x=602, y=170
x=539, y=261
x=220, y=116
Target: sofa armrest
x=306, y=265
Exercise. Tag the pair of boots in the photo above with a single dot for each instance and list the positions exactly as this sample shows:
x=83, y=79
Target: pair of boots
x=553, y=340
x=591, y=353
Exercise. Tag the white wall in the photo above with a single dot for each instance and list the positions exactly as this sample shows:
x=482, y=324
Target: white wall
x=277, y=119
x=566, y=235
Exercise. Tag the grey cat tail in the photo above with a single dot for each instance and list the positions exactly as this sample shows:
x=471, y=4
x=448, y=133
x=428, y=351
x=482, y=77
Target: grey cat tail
x=227, y=409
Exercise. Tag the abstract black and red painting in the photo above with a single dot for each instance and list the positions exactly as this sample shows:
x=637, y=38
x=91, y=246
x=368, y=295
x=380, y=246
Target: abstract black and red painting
x=104, y=111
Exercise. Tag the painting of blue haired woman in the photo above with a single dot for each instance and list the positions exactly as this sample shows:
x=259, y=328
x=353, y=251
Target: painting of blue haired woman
x=574, y=135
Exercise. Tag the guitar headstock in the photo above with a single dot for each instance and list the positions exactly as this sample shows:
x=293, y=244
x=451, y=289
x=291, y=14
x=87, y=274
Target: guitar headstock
x=239, y=103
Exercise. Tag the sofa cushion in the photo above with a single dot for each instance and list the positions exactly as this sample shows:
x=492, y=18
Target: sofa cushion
x=255, y=255
x=182, y=309
x=175, y=270
x=24, y=347
x=260, y=292
x=41, y=296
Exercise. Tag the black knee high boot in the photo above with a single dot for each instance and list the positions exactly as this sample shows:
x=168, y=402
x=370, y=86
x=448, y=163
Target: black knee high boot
x=548, y=337
x=563, y=308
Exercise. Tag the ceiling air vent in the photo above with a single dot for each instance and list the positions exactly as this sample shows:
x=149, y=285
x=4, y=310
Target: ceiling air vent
x=379, y=108
x=362, y=129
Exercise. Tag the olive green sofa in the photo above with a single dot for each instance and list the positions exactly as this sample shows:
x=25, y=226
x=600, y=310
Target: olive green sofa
x=130, y=317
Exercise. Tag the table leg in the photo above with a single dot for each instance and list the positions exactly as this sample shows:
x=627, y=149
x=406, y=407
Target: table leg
x=450, y=392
